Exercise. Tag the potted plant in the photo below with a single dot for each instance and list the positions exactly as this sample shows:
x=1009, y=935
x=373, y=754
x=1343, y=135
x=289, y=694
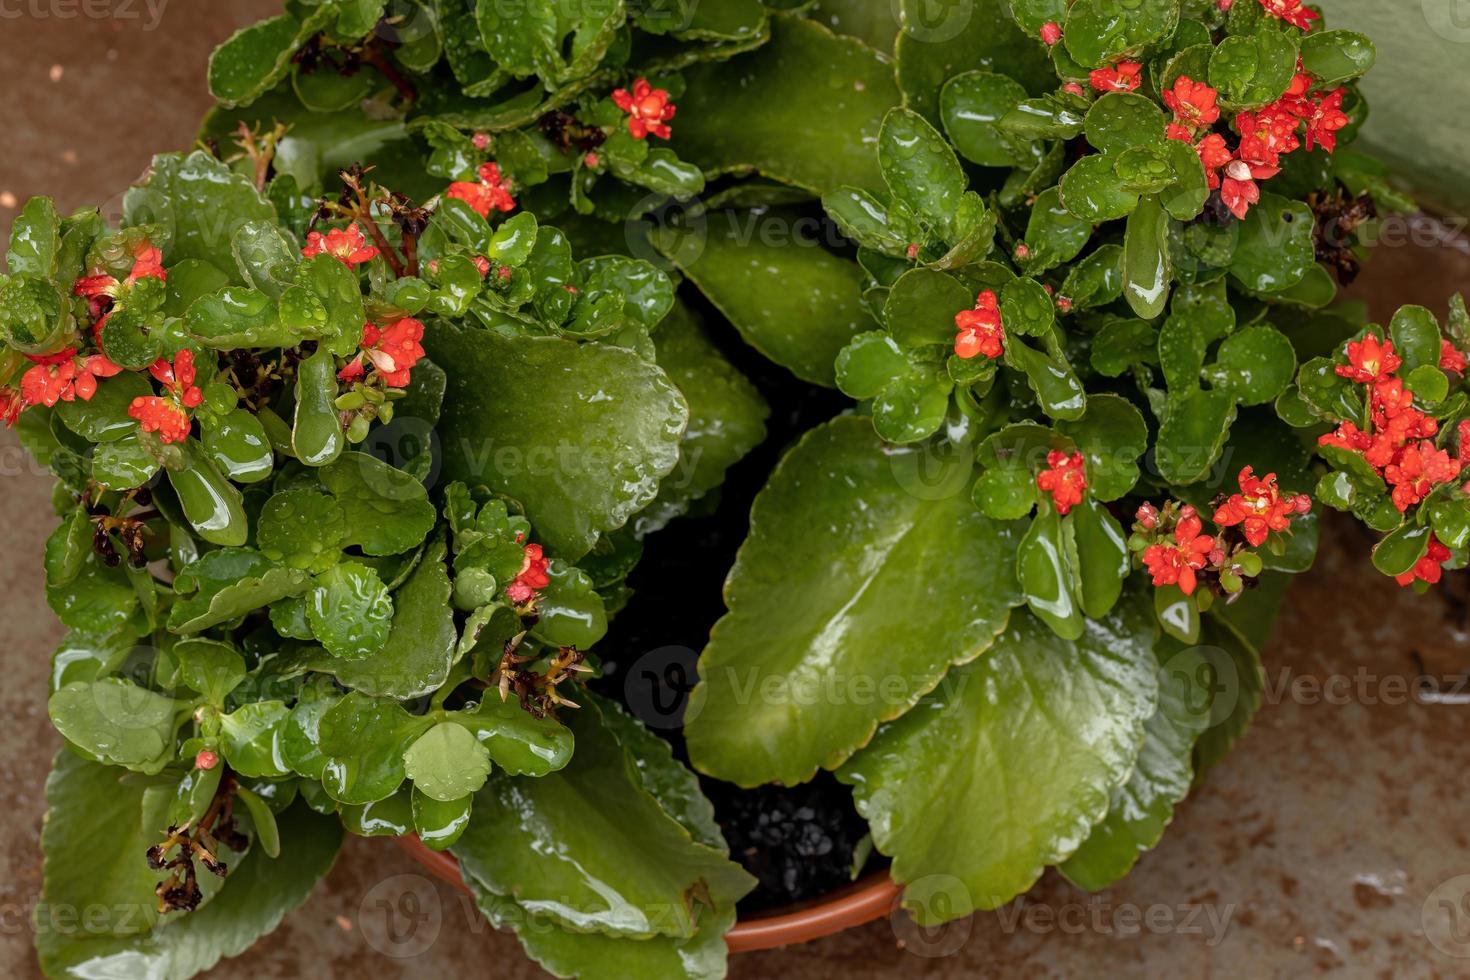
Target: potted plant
x=363, y=413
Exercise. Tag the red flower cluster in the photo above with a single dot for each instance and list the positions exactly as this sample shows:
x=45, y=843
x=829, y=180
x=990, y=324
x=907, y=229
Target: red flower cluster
x=1265, y=134
x=393, y=351
x=1292, y=12
x=168, y=416
x=1260, y=508
x=1398, y=442
x=1427, y=569
x=980, y=329
x=1451, y=359
x=346, y=245
x=1176, y=564
x=490, y=193
x=1064, y=479
x=61, y=377
x=649, y=109
x=102, y=290
x=531, y=578
x=1122, y=77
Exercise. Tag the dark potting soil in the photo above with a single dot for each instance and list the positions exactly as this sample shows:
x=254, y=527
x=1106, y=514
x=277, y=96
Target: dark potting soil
x=800, y=842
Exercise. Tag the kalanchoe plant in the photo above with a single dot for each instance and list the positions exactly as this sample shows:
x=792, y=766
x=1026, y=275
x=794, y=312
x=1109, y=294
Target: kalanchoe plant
x=354, y=457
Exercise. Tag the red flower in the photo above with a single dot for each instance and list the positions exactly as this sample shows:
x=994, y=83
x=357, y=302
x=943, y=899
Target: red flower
x=1176, y=564
x=1239, y=190
x=1073, y=88
x=11, y=403
x=1292, y=12
x=1193, y=103
x=648, y=109
x=1064, y=480
x=1147, y=516
x=205, y=759
x=167, y=415
x=1266, y=134
x=531, y=577
x=1369, y=360
x=1348, y=436
x=1451, y=359
x=1419, y=469
x=1260, y=508
x=1051, y=33
x=1326, y=119
x=980, y=330
x=1427, y=569
x=64, y=377
x=1294, y=100
x=1462, y=432
x=393, y=351
x=1122, y=77
x=1214, y=154
x=490, y=193
x=346, y=245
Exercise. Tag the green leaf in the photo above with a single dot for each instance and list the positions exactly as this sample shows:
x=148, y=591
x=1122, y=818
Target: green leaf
x=1191, y=437
x=1252, y=70
x=852, y=628
x=647, y=293
x=447, y=763
x=239, y=316
x=1276, y=248
x=123, y=465
x=267, y=833
x=420, y=648
x=944, y=38
x=921, y=307
x=1146, y=271
x=1397, y=553
x=869, y=364
x=250, y=737
x=210, y=667
x=1334, y=57
x=726, y=417
x=914, y=406
x=598, y=466
x=1142, y=807
x=1026, y=307
x=1178, y=613
x=67, y=548
x=1186, y=198
x=756, y=111
x=265, y=258
x=1048, y=576
x=919, y=167
x=199, y=202
x=1098, y=32
x=1053, y=234
x=255, y=58
x=388, y=510
x=114, y=721
x=519, y=743
x=1102, y=560
x=1254, y=365
x=1119, y=121
x=1415, y=335
x=971, y=105
x=801, y=325
x=1030, y=741
x=237, y=444
x=872, y=223
x=1122, y=343
x=1092, y=192
x=362, y=740
x=89, y=803
x=228, y=583
x=589, y=847
x=1006, y=493
x=1050, y=376
x=35, y=237
x=302, y=528
x=316, y=433
x=350, y=611
x=98, y=599
x=105, y=417
x=438, y=824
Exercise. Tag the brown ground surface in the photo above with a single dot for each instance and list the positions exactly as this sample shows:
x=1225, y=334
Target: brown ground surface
x=1331, y=838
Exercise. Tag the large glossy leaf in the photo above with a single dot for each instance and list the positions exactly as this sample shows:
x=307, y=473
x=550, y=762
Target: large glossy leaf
x=580, y=435
x=944, y=38
x=789, y=686
x=727, y=417
x=94, y=842
x=200, y=203
x=114, y=721
x=589, y=846
x=759, y=110
x=1025, y=746
x=795, y=302
x=1143, y=806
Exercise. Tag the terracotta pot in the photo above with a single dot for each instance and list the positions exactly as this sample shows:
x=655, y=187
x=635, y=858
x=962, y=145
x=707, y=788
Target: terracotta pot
x=871, y=898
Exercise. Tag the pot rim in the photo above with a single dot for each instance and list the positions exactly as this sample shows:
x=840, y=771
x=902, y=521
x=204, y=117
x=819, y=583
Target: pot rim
x=872, y=897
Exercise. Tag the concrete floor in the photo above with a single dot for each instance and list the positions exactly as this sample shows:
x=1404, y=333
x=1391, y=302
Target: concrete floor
x=1332, y=840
